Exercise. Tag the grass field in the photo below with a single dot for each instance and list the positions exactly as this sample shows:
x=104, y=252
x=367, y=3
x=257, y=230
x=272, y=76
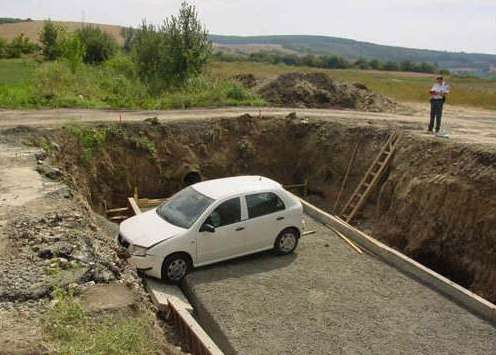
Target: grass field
x=400, y=86
x=20, y=87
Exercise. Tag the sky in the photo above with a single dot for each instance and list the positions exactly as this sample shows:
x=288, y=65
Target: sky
x=452, y=25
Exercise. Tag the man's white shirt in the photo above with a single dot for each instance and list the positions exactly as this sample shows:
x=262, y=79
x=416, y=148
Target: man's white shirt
x=441, y=89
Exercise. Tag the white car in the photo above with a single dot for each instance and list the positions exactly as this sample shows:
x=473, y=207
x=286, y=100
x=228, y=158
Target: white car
x=212, y=221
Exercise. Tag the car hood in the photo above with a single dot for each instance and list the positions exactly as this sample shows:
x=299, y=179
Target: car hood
x=148, y=229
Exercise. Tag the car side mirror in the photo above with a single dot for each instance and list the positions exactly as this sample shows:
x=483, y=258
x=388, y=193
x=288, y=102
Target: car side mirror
x=207, y=228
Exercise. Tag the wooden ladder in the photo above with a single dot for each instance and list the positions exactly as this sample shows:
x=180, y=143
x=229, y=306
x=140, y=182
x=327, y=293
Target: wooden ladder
x=375, y=171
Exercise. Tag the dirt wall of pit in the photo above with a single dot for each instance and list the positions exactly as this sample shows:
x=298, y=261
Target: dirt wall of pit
x=436, y=203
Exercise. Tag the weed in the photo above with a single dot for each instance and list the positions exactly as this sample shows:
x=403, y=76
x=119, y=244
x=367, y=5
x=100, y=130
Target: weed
x=70, y=329
x=90, y=140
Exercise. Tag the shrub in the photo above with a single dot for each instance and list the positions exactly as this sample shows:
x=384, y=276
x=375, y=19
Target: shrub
x=99, y=45
x=51, y=38
x=122, y=64
x=20, y=45
x=170, y=54
x=73, y=51
x=3, y=48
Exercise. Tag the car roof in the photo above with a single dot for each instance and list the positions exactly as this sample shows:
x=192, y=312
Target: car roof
x=231, y=186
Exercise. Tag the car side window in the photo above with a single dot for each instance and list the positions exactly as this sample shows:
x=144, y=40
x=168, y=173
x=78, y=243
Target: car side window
x=263, y=203
x=226, y=213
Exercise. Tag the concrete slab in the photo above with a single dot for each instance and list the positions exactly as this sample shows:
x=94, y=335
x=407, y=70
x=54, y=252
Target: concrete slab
x=108, y=297
x=162, y=293
x=328, y=299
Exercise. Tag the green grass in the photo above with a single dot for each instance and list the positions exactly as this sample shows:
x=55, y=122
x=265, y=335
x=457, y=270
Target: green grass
x=16, y=71
x=112, y=85
x=69, y=329
x=401, y=86
x=26, y=84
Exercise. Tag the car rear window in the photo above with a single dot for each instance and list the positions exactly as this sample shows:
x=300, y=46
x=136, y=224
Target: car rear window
x=263, y=203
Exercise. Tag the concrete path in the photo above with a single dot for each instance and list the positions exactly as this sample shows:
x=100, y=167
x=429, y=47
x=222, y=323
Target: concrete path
x=328, y=299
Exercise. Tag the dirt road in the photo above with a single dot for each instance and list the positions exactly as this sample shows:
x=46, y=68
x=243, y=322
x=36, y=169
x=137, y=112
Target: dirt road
x=464, y=124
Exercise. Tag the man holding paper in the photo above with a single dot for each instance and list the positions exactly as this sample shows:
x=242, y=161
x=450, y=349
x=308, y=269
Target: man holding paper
x=438, y=96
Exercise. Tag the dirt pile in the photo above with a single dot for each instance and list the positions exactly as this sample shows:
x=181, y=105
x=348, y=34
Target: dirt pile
x=317, y=90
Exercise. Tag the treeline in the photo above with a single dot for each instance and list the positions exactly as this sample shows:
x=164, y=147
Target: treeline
x=329, y=62
x=13, y=20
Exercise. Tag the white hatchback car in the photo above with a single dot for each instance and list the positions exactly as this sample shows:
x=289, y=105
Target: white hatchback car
x=212, y=221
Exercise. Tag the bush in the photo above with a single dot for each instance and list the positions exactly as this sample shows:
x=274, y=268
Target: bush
x=20, y=45
x=3, y=48
x=122, y=64
x=51, y=38
x=73, y=51
x=170, y=54
x=99, y=45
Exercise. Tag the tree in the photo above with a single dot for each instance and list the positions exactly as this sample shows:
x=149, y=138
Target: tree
x=170, y=54
x=99, y=45
x=391, y=66
x=129, y=34
x=73, y=51
x=51, y=38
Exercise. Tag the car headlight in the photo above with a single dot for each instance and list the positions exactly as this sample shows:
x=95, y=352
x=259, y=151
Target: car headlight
x=136, y=250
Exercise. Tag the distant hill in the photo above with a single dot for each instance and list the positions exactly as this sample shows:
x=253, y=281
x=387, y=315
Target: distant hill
x=321, y=45
x=32, y=29
x=352, y=49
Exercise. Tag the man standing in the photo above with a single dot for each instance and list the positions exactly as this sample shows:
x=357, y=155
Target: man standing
x=438, y=96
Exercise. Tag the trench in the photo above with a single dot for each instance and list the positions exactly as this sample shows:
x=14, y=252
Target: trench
x=435, y=203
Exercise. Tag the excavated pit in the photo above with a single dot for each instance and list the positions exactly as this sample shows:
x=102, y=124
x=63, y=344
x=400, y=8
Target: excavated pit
x=435, y=203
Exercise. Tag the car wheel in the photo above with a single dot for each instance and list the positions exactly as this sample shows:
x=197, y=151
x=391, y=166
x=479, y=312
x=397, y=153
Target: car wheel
x=175, y=268
x=286, y=241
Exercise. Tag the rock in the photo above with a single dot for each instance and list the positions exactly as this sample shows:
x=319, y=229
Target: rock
x=152, y=120
x=41, y=156
x=45, y=253
x=49, y=172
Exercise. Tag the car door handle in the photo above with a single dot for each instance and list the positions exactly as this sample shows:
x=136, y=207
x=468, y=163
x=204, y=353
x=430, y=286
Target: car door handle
x=239, y=229
x=280, y=218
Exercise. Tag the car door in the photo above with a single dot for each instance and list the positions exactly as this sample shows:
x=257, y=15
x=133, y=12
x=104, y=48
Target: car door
x=228, y=239
x=266, y=218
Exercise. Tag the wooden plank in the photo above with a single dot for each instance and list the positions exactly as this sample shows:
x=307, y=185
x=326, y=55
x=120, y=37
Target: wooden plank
x=134, y=206
x=114, y=210
x=342, y=236
x=346, y=175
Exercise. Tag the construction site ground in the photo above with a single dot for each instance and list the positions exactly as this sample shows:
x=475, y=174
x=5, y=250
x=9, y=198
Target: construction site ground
x=324, y=299
x=465, y=124
x=328, y=299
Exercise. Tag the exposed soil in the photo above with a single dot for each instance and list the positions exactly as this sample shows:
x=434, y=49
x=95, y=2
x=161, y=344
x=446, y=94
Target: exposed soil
x=319, y=91
x=49, y=239
x=436, y=202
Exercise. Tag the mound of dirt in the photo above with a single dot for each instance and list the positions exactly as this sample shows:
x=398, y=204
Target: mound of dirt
x=317, y=90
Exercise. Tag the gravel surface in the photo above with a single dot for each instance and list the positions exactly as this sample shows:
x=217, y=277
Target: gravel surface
x=327, y=299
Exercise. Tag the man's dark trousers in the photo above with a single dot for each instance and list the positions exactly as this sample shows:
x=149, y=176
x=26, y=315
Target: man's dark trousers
x=436, y=113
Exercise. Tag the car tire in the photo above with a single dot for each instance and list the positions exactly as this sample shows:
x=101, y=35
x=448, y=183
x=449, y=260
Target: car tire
x=175, y=267
x=287, y=241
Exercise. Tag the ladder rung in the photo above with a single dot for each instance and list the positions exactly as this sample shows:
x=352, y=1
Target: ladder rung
x=116, y=218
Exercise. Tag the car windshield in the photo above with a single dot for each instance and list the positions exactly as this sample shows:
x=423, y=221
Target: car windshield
x=184, y=208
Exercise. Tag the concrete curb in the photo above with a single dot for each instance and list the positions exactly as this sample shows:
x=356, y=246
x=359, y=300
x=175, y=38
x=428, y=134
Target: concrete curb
x=462, y=296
